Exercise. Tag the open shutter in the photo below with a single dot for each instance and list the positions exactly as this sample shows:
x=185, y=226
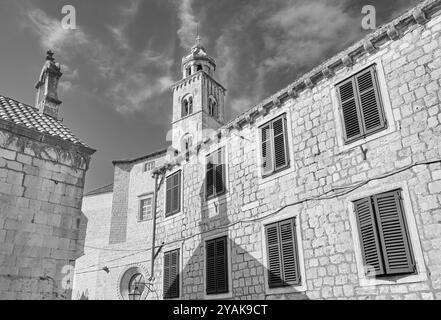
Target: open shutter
x=352, y=124
x=369, y=101
x=211, y=267
x=369, y=239
x=392, y=229
x=220, y=172
x=289, y=252
x=267, y=153
x=221, y=266
x=210, y=177
x=280, y=149
x=274, y=258
x=168, y=197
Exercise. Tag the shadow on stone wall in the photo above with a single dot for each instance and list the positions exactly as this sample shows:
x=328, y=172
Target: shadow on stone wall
x=245, y=274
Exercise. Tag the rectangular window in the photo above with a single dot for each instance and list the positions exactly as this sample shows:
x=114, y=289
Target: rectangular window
x=361, y=106
x=146, y=208
x=173, y=194
x=171, y=274
x=217, y=266
x=274, y=146
x=149, y=166
x=215, y=174
x=283, y=260
x=383, y=235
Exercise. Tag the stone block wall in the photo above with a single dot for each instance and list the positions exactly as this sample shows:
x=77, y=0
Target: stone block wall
x=41, y=188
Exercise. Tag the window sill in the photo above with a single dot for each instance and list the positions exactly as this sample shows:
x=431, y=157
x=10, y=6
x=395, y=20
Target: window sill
x=214, y=198
x=366, y=282
x=276, y=175
x=220, y=296
x=285, y=290
x=357, y=143
x=174, y=216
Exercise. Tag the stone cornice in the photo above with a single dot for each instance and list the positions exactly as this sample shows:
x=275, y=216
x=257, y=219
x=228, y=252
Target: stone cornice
x=194, y=75
x=44, y=138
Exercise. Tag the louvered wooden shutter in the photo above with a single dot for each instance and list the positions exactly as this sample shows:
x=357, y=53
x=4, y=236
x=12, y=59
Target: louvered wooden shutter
x=274, y=258
x=220, y=172
x=168, y=196
x=352, y=123
x=370, y=242
x=397, y=252
x=216, y=266
x=370, y=102
x=210, y=177
x=282, y=254
x=289, y=252
x=280, y=149
x=171, y=274
x=176, y=204
x=267, y=150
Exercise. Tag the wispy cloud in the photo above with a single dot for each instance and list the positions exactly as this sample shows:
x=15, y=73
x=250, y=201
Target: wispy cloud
x=188, y=23
x=131, y=78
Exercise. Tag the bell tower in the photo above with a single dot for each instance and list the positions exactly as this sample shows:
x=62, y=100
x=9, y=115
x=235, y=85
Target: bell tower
x=198, y=99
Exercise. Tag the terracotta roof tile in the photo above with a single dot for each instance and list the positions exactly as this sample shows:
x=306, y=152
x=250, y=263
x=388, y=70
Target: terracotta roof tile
x=29, y=117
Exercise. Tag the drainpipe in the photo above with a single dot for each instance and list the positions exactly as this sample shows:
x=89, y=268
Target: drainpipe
x=155, y=200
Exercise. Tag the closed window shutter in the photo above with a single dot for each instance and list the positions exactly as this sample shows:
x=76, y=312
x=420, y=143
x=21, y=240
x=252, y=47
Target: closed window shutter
x=216, y=266
x=393, y=233
x=370, y=102
x=274, y=258
x=168, y=197
x=173, y=194
x=166, y=275
x=267, y=153
x=210, y=177
x=352, y=123
x=370, y=242
x=211, y=267
x=220, y=173
x=171, y=274
x=280, y=152
x=289, y=252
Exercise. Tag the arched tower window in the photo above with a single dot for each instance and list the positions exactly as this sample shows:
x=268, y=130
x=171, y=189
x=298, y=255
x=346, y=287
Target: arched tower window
x=198, y=67
x=187, y=106
x=212, y=107
x=186, y=143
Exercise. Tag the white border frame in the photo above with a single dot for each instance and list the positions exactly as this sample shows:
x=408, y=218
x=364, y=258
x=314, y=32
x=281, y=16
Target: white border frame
x=384, y=95
x=181, y=212
x=168, y=248
x=140, y=199
x=210, y=203
x=229, y=294
x=285, y=214
x=285, y=108
x=411, y=229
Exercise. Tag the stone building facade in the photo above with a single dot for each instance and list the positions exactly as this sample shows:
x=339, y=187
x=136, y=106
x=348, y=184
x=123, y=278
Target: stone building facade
x=329, y=189
x=42, y=172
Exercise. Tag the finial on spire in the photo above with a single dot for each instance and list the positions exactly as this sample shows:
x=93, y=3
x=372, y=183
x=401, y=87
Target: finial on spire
x=50, y=55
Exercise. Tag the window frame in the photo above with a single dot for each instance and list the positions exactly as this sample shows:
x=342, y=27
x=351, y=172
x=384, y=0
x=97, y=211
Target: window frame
x=140, y=206
x=389, y=114
x=414, y=238
x=285, y=283
x=287, y=166
x=224, y=174
x=357, y=99
x=149, y=164
x=178, y=250
x=173, y=213
x=227, y=267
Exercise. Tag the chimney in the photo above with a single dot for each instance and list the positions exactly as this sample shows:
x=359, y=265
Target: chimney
x=46, y=100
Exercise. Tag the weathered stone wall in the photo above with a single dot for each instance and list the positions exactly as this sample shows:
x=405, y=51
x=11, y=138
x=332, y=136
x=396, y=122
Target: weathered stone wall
x=319, y=163
x=41, y=188
x=410, y=78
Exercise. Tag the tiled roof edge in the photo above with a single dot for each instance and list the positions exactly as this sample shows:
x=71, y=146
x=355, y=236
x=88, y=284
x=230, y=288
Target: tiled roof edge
x=146, y=157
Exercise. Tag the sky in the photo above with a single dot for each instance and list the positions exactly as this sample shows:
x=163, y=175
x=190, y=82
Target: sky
x=121, y=60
